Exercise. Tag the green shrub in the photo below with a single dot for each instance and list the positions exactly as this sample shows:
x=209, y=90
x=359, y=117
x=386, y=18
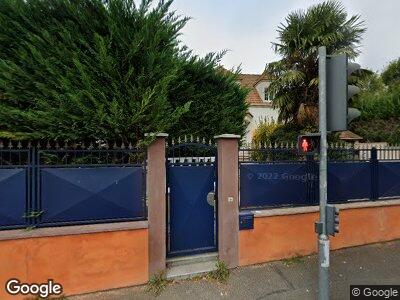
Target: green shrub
x=380, y=115
x=378, y=130
x=271, y=135
x=391, y=74
x=381, y=104
x=107, y=70
x=264, y=133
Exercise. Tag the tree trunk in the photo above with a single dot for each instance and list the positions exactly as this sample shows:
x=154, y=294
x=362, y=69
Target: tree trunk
x=307, y=115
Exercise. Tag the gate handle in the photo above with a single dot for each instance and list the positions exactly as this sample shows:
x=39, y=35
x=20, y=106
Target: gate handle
x=211, y=198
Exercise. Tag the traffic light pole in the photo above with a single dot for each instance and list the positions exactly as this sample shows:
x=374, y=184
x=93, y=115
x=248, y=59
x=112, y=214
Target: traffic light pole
x=323, y=239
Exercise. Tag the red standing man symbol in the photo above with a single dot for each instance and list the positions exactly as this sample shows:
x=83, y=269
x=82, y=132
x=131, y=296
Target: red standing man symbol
x=305, y=145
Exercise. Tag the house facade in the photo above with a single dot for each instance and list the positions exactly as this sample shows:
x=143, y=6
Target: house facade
x=260, y=104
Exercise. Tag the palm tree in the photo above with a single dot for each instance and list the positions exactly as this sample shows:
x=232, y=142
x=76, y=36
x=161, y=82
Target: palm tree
x=294, y=78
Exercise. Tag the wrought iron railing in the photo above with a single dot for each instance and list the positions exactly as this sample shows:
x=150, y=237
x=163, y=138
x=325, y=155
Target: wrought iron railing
x=336, y=152
x=191, y=151
x=92, y=155
x=13, y=155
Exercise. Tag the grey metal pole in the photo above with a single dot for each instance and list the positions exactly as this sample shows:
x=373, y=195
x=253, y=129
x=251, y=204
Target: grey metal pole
x=323, y=240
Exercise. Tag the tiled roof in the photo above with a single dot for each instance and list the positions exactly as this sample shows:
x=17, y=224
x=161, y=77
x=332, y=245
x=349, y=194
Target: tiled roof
x=349, y=136
x=250, y=81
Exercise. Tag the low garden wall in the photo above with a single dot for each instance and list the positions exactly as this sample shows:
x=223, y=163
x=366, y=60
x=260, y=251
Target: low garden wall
x=82, y=259
x=287, y=232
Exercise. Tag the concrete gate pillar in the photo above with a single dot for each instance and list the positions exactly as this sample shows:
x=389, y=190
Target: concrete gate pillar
x=156, y=193
x=228, y=199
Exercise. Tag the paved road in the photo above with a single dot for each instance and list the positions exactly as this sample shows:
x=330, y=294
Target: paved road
x=290, y=279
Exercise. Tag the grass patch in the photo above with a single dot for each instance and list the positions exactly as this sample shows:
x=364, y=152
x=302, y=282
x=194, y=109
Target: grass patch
x=221, y=274
x=293, y=260
x=157, y=283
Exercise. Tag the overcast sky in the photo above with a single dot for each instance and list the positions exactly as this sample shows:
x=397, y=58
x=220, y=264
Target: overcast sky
x=247, y=27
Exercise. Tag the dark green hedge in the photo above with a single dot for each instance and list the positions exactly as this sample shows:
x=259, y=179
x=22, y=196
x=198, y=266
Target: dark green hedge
x=107, y=70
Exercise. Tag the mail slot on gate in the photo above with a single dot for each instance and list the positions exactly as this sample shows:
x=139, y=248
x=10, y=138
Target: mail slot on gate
x=246, y=220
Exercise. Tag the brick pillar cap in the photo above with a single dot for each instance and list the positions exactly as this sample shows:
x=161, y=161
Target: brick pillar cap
x=160, y=134
x=227, y=136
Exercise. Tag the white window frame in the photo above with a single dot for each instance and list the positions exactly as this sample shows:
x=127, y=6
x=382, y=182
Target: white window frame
x=266, y=97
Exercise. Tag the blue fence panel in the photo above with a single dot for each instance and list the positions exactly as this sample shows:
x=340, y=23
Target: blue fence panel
x=275, y=184
x=88, y=195
x=191, y=218
x=348, y=181
x=13, y=197
x=389, y=179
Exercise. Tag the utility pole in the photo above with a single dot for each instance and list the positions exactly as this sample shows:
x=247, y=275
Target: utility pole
x=323, y=239
x=334, y=115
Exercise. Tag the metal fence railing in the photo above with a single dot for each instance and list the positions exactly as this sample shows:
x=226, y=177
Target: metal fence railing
x=191, y=151
x=336, y=152
x=276, y=175
x=55, y=185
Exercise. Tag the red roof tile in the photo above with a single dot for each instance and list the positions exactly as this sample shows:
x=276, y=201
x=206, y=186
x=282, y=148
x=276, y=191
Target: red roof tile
x=349, y=136
x=250, y=81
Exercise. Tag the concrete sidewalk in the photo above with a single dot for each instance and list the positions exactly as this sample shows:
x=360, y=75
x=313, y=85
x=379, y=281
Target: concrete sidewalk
x=288, y=279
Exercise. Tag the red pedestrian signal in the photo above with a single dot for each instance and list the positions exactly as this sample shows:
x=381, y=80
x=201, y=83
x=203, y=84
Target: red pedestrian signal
x=308, y=144
x=305, y=145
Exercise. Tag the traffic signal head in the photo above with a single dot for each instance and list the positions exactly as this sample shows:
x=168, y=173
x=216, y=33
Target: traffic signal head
x=338, y=92
x=332, y=220
x=308, y=143
x=336, y=220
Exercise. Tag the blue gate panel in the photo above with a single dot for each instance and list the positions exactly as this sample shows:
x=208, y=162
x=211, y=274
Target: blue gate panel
x=274, y=184
x=91, y=194
x=13, y=197
x=191, y=218
x=348, y=181
x=389, y=179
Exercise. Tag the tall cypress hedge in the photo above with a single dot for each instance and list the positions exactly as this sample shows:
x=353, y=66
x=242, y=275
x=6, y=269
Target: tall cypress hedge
x=107, y=70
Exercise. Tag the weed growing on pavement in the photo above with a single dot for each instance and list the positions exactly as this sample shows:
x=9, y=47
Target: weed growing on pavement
x=293, y=260
x=221, y=274
x=157, y=283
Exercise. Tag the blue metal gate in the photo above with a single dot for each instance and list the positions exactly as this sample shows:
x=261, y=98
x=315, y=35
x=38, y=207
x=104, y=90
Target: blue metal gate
x=191, y=198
